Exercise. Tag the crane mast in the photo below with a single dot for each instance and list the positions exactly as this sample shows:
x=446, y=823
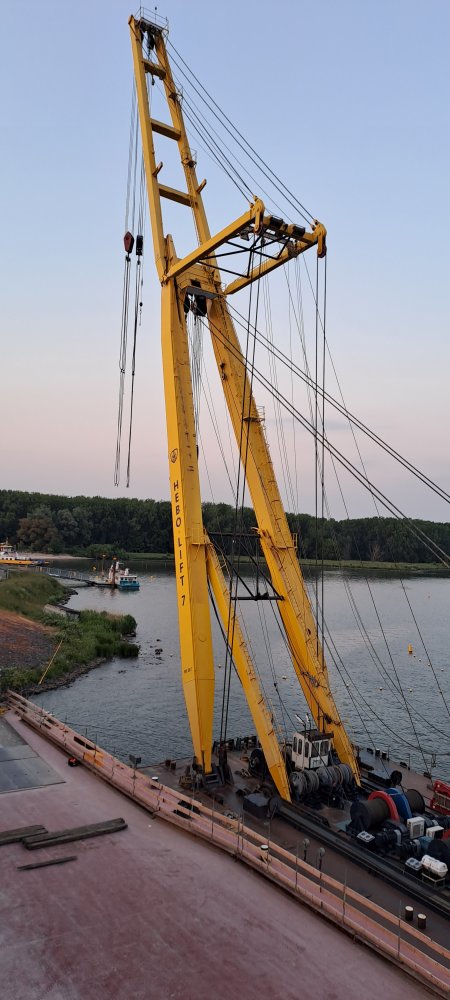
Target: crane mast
x=196, y=279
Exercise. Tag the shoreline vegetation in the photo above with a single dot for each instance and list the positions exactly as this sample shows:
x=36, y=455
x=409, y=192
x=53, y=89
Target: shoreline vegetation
x=100, y=527
x=33, y=638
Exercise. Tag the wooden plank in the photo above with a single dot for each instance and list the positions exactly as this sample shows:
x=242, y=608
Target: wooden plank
x=15, y=836
x=45, y=864
x=76, y=833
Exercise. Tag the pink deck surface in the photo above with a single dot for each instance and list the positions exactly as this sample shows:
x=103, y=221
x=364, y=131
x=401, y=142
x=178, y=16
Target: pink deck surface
x=152, y=914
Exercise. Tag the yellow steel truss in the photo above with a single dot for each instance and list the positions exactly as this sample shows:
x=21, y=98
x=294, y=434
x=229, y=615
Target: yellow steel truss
x=195, y=558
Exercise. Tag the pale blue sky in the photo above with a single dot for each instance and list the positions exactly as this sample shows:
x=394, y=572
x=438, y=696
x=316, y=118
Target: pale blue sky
x=347, y=101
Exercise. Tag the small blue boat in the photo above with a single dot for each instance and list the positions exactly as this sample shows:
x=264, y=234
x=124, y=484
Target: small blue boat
x=122, y=578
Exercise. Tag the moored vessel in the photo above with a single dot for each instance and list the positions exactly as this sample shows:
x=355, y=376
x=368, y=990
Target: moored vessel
x=9, y=556
x=121, y=577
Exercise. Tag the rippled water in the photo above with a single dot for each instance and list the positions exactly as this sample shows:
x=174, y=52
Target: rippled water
x=137, y=706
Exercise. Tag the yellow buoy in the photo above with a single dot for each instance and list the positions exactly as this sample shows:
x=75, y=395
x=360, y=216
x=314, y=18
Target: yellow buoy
x=410, y=649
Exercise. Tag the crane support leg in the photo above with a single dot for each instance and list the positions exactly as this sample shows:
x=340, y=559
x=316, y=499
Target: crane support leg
x=274, y=532
x=197, y=667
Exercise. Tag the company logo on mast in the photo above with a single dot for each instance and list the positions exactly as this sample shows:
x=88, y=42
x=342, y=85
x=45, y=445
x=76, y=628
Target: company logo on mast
x=173, y=455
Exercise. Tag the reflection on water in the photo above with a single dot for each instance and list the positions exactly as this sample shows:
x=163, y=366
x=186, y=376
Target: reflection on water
x=138, y=707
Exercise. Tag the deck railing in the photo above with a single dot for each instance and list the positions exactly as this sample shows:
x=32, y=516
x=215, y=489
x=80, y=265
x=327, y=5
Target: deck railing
x=424, y=959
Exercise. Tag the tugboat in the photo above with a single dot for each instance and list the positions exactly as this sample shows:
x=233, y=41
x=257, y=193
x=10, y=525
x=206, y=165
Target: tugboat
x=122, y=578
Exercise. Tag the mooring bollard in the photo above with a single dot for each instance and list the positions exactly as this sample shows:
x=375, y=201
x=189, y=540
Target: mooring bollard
x=421, y=921
x=409, y=914
x=265, y=853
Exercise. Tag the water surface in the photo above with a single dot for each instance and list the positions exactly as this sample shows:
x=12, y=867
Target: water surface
x=388, y=698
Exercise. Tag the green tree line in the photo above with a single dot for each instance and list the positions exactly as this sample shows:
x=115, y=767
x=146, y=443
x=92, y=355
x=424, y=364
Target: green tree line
x=40, y=522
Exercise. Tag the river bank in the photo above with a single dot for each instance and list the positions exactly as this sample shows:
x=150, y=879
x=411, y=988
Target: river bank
x=37, y=643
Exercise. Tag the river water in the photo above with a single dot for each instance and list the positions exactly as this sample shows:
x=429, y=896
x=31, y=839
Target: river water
x=387, y=697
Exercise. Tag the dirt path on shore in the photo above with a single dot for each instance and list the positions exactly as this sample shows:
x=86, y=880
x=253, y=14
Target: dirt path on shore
x=24, y=643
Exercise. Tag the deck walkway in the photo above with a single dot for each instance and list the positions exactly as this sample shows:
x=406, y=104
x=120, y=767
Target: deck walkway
x=276, y=939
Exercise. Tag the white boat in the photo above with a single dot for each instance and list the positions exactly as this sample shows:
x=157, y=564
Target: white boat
x=121, y=577
x=11, y=557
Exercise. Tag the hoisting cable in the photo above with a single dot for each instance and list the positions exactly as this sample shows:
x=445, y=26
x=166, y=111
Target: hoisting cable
x=322, y=484
x=128, y=240
x=342, y=409
x=316, y=453
x=128, y=244
x=137, y=305
x=242, y=471
x=398, y=686
x=432, y=546
x=256, y=158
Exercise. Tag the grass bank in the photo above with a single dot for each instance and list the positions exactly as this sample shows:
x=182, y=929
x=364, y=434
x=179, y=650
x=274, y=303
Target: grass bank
x=75, y=645
x=352, y=564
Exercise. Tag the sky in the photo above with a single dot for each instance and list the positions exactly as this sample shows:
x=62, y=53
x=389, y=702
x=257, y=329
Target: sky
x=348, y=103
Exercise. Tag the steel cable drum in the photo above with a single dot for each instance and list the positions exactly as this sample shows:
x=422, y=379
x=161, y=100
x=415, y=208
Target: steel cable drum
x=298, y=783
x=324, y=775
x=416, y=801
x=337, y=775
x=312, y=782
x=347, y=773
x=368, y=813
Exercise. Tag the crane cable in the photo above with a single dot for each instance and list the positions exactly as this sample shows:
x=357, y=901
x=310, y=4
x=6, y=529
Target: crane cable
x=242, y=469
x=139, y=279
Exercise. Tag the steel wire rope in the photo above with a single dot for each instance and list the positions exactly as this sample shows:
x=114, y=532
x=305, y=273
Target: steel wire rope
x=308, y=216
x=360, y=625
x=216, y=150
x=131, y=179
x=323, y=448
x=360, y=477
x=294, y=428
x=341, y=408
x=241, y=617
x=316, y=455
x=306, y=677
x=277, y=408
x=376, y=659
x=400, y=578
x=220, y=145
x=240, y=357
x=137, y=307
x=399, y=689
x=361, y=426
x=122, y=363
x=385, y=725
x=130, y=151
x=327, y=446
x=215, y=426
x=334, y=657
x=233, y=582
x=279, y=430
x=216, y=156
x=242, y=466
x=399, y=686
x=322, y=464
x=287, y=482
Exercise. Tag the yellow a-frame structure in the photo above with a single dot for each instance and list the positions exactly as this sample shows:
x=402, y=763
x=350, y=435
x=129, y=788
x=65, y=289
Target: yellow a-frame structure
x=196, y=562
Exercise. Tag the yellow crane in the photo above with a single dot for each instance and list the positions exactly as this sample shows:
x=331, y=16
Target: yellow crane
x=196, y=277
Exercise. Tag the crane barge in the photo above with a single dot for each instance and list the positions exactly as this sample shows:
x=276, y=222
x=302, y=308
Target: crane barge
x=319, y=767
